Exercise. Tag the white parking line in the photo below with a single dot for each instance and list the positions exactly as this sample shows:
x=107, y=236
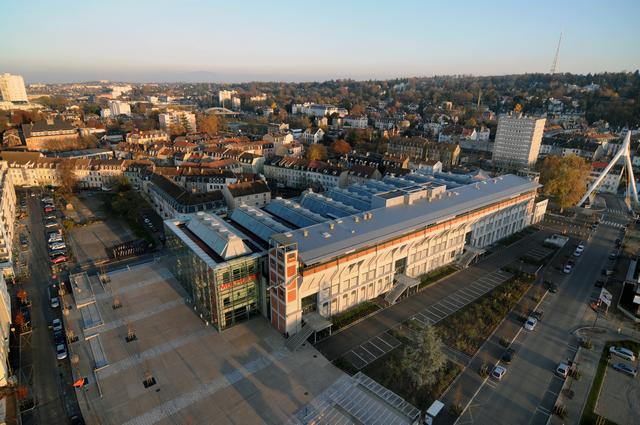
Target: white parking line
x=543, y=410
x=384, y=342
x=434, y=319
x=483, y=284
x=384, y=350
x=449, y=301
x=419, y=320
x=476, y=291
x=440, y=310
x=438, y=315
x=462, y=294
x=428, y=320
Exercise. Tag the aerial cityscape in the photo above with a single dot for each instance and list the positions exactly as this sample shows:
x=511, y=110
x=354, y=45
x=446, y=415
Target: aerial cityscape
x=405, y=213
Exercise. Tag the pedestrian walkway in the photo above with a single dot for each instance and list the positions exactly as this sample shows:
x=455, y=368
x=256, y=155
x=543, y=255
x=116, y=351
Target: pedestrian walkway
x=613, y=224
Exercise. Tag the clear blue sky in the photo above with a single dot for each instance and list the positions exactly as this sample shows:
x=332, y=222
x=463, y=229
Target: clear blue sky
x=236, y=40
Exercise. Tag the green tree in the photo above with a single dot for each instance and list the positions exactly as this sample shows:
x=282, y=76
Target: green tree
x=564, y=179
x=422, y=362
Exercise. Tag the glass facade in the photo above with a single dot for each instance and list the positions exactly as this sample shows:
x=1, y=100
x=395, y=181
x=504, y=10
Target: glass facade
x=223, y=294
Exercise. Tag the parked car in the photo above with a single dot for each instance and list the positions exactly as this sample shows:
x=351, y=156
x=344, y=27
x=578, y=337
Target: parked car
x=51, y=217
x=562, y=370
x=577, y=253
x=553, y=288
x=607, y=272
x=537, y=314
x=57, y=245
x=53, y=239
x=613, y=255
x=49, y=209
x=58, y=337
x=61, y=352
x=498, y=372
x=60, y=259
x=618, y=242
x=625, y=368
x=580, y=247
x=56, y=324
x=599, y=283
x=57, y=253
x=622, y=352
x=50, y=225
x=508, y=355
x=531, y=323
x=568, y=268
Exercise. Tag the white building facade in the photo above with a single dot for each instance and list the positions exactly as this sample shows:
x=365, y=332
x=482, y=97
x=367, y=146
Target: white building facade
x=12, y=88
x=518, y=139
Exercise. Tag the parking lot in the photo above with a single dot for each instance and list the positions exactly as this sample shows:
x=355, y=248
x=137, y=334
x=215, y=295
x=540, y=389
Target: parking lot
x=381, y=344
x=619, y=399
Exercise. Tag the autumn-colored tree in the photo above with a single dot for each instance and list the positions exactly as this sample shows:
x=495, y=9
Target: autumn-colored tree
x=19, y=320
x=341, y=147
x=357, y=110
x=68, y=178
x=564, y=179
x=177, y=130
x=209, y=124
x=317, y=152
x=22, y=296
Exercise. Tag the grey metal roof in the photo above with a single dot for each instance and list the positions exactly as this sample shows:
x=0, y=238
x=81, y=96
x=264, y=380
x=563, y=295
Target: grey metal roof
x=338, y=237
x=293, y=213
x=259, y=222
x=325, y=206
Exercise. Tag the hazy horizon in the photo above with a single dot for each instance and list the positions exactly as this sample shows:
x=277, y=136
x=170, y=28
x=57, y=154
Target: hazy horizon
x=144, y=41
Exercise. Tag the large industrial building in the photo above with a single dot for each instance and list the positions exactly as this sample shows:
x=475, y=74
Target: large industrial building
x=320, y=254
x=331, y=266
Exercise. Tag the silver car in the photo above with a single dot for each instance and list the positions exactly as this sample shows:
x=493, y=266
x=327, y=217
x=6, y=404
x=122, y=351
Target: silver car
x=622, y=352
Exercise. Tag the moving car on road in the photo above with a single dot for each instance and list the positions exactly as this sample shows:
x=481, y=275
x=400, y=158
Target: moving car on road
x=622, y=352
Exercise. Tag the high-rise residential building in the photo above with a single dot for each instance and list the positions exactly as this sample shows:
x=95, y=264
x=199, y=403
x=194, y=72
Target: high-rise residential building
x=119, y=108
x=12, y=88
x=186, y=119
x=225, y=95
x=518, y=141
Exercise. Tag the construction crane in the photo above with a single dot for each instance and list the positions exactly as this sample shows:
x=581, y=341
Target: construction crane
x=554, y=66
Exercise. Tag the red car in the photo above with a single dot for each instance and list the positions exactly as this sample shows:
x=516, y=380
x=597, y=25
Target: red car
x=49, y=209
x=60, y=259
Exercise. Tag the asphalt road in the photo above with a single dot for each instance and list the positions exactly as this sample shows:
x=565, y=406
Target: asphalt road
x=51, y=378
x=527, y=393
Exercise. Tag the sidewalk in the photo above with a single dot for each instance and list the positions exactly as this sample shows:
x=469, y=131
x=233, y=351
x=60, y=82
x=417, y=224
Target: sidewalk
x=587, y=360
